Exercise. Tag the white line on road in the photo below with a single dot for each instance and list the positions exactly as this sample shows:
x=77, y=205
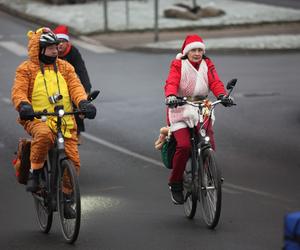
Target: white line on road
x=230, y=191
x=99, y=49
x=255, y=191
x=6, y=100
x=14, y=47
x=122, y=150
x=158, y=163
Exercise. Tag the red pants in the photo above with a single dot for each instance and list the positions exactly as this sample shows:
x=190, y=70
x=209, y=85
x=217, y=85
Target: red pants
x=183, y=151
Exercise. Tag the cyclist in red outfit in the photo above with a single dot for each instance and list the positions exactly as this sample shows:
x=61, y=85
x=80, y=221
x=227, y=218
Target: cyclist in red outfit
x=192, y=74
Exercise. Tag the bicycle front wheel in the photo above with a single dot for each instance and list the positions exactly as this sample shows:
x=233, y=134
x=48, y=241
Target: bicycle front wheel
x=68, y=197
x=42, y=202
x=210, y=191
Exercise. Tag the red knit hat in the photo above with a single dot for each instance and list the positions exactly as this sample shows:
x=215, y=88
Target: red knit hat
x=62, y=32
x=191, y=42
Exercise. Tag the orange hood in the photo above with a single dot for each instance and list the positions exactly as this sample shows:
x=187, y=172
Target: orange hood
x=34, y=44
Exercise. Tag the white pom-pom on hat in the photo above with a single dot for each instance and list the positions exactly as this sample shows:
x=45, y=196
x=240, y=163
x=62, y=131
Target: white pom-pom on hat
x=179, y=56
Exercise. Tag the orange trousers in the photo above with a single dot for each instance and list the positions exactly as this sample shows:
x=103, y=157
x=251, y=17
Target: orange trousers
x=43, y=139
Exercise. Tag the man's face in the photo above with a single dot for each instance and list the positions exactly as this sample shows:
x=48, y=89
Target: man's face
x=51, y=51
x=62, y=46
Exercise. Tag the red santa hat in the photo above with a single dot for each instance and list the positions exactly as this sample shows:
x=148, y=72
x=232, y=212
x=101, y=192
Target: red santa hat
x=191, y=42
x=62, y=32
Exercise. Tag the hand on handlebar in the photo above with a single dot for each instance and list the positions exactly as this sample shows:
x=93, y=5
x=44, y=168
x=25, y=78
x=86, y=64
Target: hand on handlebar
x=227, y=101
x=26, y=111
x=88, y=108
x=172, y=101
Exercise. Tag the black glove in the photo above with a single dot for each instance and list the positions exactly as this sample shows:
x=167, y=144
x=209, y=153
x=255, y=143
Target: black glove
x=26, y=111
x=172, y=101
x=89, y=109
x=227, y=101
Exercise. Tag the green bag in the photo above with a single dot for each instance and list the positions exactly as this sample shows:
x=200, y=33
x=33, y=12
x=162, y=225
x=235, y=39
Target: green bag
x=167, y=151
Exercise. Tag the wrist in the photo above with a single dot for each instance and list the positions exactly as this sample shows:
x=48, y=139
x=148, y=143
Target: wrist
x=23, y=104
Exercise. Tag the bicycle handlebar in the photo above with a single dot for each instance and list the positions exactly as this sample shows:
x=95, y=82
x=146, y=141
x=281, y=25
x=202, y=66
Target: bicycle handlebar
x=60, y=113
x=183, y=101
x=201, y=104
x=59, y=110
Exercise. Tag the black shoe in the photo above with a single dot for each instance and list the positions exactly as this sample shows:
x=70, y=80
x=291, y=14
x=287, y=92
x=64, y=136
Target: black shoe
x=176, y=193
x=33, y=181
x=69, y=211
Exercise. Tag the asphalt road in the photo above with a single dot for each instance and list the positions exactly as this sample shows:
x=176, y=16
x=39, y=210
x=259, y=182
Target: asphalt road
x=125, y=199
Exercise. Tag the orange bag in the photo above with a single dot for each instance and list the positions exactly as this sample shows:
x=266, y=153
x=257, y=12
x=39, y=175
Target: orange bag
x=22, y=161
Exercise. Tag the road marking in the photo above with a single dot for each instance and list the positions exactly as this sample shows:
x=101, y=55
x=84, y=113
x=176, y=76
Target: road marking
x=226, y=185
x=6, y=100
x=99, y=49
x=255, y=191
x=121, y=149
x=110, y=188
x=14, y=47
x=230, y=191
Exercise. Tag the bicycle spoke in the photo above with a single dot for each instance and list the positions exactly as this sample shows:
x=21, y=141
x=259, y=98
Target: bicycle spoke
x=69, y=202
x=43, y=211
x=190, y=193
x=210, y=190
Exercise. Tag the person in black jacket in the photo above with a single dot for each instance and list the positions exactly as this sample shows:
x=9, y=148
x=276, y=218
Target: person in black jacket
x=70, y=53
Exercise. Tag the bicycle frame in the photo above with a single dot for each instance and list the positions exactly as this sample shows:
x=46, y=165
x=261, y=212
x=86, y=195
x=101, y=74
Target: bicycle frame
x=55, y=156
x=199, y=142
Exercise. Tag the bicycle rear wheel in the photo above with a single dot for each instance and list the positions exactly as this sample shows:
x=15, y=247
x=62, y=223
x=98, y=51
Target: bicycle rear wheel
x=189, y=192
x=68, y=197
x=210, y=192
x=43, y=203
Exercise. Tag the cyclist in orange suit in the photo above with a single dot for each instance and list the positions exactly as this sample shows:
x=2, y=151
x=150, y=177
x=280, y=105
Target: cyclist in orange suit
x=42, y=82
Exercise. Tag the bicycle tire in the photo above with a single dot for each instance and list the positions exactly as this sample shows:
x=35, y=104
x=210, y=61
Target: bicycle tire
x=70, y=226
x=211, y=190
x=41, y=201
x=189, y=192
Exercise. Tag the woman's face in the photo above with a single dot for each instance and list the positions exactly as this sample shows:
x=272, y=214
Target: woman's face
x=195, y=55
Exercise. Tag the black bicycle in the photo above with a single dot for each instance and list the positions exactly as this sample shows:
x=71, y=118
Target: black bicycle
x=202, y=178
x=59, y=187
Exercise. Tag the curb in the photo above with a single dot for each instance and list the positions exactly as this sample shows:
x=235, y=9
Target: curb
x=24, y=16
x=146, y=49
x=224, y=51
x=42, y=21
x=30, y=18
